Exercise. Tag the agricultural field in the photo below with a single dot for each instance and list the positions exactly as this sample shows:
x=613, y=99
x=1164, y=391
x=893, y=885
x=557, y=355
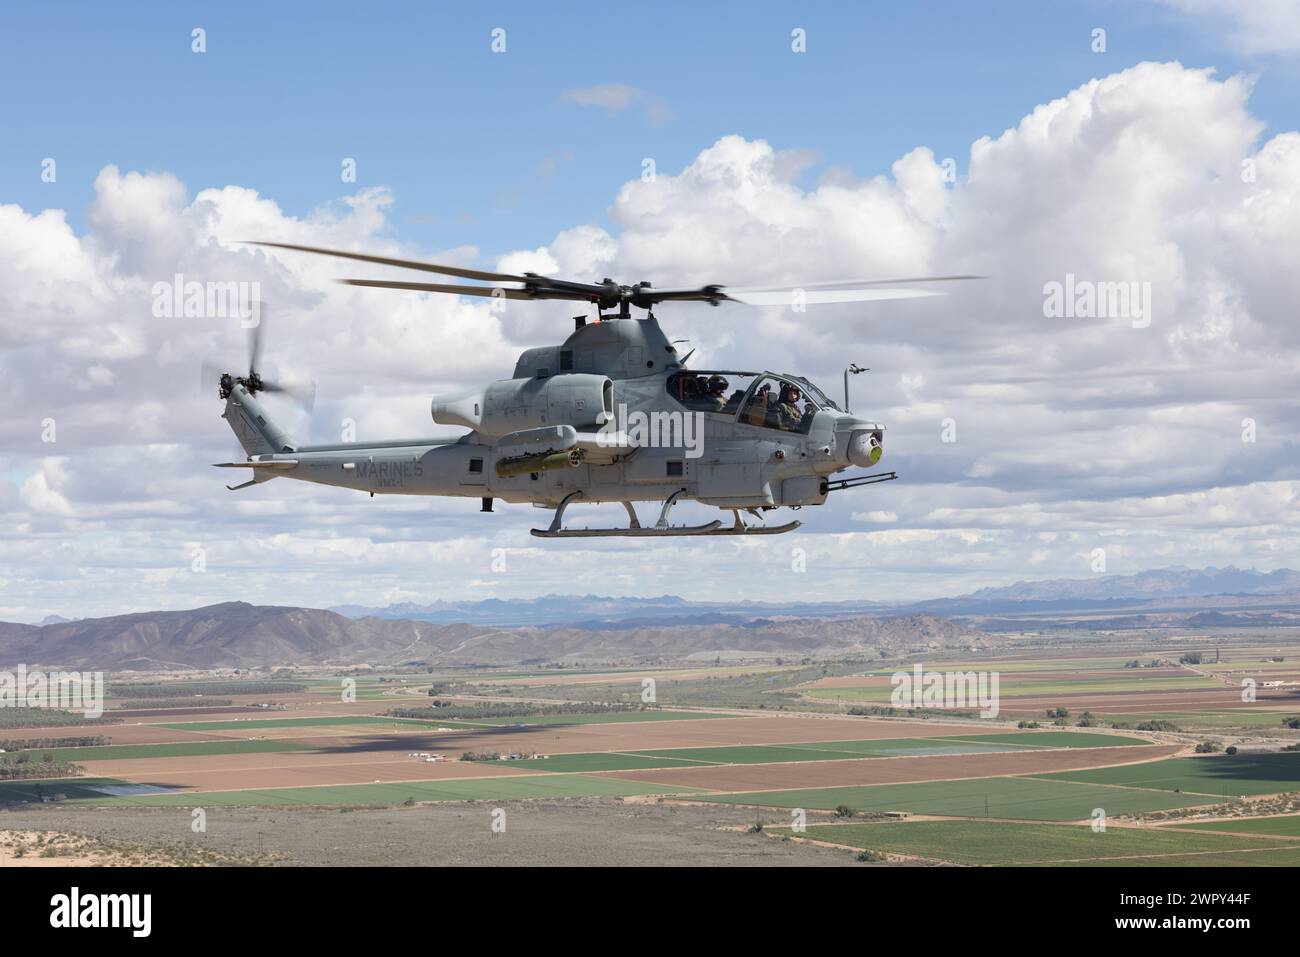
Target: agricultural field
x=760, y=741
x=1007, y=798
x=1236, y=775
x=1115, y=691
x=1287, y=826
x=984, y=844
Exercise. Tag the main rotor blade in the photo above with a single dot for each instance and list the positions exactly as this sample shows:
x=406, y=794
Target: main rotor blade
x=456, y=271
x=484, y=291
x=846, y=284
x=837, y=290
x=784, y=297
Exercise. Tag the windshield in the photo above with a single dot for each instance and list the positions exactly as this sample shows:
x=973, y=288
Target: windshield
x=783, y=402
x=718, y=392
x=780, y=402
x=816, y=394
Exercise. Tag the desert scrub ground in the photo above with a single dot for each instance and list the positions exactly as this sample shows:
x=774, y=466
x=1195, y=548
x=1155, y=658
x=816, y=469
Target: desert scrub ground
x=19, y=848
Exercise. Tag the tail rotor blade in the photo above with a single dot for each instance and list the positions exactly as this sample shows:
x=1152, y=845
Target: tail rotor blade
x=209, y=376
x=255, y=340
x=303, y=393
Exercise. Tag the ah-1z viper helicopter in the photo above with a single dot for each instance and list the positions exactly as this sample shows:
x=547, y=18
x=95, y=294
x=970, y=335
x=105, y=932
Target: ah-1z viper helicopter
x=610, y=415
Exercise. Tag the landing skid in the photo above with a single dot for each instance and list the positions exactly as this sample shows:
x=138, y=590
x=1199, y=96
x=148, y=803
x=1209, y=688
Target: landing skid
x=661, y=528
x=710, y=529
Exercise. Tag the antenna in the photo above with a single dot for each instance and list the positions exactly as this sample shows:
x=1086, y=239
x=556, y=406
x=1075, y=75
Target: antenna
x=855, y=369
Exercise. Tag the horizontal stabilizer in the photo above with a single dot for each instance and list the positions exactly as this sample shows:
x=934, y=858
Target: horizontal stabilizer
x=273, y=464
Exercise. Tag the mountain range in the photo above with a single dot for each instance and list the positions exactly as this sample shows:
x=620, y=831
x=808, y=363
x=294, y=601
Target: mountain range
x=239, y=635
x=592, y=628
x=1165, y=587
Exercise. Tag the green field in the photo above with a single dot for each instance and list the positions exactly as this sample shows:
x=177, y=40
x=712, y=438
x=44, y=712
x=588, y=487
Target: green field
x=905, y=747
x=479, y=789
x=1056, y=739
x=822, y=751
x=1002, y=797
x=597, y=761
x=1026, y=665
x=1221, y=775
x=1266, y=857
x=817, y=751
x=1240, y=718
x=992, y=843
x=1286, y=826
x=1010, y=687
x=607, y=717
x=316, y=722
x=111, y=752
x=71, y=787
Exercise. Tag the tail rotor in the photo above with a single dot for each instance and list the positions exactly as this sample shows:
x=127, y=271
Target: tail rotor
x=211, y=376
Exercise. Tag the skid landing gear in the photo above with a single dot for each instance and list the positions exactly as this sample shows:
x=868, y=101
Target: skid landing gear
x=661, y=528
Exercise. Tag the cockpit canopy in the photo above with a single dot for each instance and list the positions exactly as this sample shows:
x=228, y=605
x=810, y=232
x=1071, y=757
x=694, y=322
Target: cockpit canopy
x=763, y=399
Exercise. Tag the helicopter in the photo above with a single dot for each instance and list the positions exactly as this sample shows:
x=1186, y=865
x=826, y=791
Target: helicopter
x=612, y=414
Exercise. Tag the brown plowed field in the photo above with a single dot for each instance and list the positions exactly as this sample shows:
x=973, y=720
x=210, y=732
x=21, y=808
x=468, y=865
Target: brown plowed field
x=1012, y=677
x=623, y=677
x=316, y=709
x=363, y=756
x=817, y=774
x=1138, y=702
x=116, y=733
x=234, y=772
x=630, y=736
x=635, y=735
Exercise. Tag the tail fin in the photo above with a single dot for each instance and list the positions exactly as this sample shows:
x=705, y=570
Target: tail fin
x=252, y=426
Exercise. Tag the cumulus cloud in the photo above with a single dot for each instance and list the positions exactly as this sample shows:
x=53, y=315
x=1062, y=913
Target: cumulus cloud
x=615, y=98
x=1253, y=26
x=1021, y=439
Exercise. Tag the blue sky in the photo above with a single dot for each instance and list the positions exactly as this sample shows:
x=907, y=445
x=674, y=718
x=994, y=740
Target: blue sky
x=484, y=150
x=1122, y=166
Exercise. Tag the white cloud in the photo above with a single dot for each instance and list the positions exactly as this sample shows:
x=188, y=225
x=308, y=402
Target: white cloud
x=1068, y=432
x=1253, y=26
x=615, y=98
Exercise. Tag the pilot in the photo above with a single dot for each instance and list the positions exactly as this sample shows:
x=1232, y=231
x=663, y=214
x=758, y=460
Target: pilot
x=717, y=394
x=787, y=414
